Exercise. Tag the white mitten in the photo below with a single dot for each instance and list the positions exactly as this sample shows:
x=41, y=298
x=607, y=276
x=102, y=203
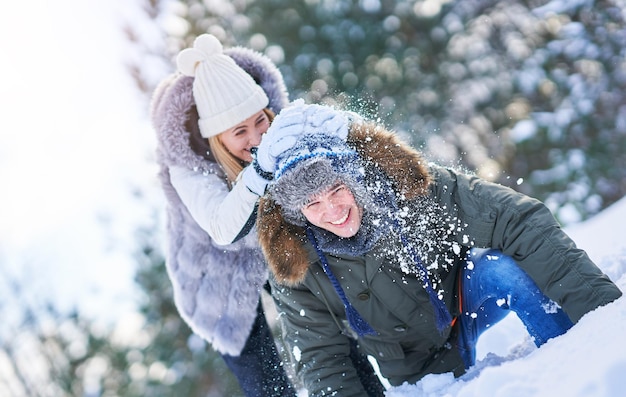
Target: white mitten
x=271, y=147
x=294, y=121
x=299, y=118
x=254, y=181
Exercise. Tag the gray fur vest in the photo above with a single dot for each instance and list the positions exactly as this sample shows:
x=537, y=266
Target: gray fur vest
x=216, y=288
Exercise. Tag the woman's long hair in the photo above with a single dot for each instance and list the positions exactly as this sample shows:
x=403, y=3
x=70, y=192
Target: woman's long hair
x=214, y=150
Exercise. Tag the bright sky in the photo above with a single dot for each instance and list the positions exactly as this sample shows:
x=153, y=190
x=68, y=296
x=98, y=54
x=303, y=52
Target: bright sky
x=73, y=144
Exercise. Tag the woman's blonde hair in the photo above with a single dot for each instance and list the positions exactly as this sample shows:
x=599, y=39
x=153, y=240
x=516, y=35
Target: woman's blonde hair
x=231, y=165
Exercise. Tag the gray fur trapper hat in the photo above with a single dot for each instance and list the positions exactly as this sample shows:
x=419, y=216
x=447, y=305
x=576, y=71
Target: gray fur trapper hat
x=314, y=164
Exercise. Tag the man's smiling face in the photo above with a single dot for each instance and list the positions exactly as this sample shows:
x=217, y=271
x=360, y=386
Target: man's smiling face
x=335, y=210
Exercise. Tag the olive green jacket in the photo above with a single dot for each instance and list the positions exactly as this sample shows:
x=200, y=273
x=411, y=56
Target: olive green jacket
x=407, y=345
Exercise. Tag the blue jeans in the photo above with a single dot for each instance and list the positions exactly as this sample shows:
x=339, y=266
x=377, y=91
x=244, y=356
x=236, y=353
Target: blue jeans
x=258, y=368
x=492, y=285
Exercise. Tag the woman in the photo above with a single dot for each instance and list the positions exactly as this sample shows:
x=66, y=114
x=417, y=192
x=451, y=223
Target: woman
x=207, y=117
x=365, y=239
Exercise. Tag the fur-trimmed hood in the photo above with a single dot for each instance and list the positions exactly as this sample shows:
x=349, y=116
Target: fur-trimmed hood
x=216, y=287
x=283, y=243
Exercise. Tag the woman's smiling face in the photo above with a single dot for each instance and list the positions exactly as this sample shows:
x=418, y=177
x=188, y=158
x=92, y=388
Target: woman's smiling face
x=335, y=210
x=245, y=135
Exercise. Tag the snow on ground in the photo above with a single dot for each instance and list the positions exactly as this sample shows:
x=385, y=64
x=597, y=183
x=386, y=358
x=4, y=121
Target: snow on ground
x=589, y=360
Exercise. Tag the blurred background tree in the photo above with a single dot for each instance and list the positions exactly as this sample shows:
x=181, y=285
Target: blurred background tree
x=530, y=94
x=48, y=353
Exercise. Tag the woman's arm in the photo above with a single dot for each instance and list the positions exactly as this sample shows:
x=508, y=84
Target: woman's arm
x=225, y=215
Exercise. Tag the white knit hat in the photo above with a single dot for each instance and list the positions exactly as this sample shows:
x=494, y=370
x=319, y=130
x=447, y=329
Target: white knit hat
x=225, y=94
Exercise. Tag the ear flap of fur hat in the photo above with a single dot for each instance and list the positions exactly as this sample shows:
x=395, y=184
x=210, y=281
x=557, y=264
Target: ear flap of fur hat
x=282, y=243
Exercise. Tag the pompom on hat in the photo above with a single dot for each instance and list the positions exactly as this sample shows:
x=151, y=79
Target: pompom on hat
x=224, y=93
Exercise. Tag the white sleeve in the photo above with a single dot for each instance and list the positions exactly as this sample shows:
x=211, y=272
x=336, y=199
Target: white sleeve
x=223, y=214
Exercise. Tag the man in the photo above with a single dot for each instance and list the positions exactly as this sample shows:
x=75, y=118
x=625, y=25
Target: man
x=366, y=240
